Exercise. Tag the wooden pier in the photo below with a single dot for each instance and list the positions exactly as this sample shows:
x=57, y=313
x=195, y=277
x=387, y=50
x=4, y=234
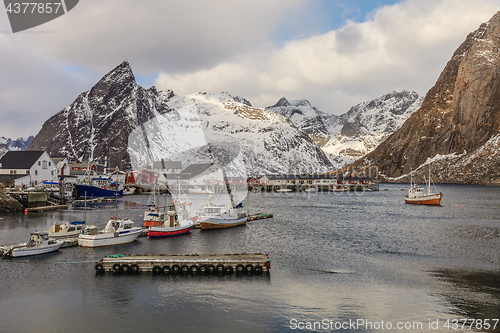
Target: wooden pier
x=190, y=264
x=46, y=208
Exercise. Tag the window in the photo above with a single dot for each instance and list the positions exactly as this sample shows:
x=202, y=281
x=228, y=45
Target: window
x=39, y=163
x=44, y=164
x=49, y=163
x=36, y=172
x=27, y=172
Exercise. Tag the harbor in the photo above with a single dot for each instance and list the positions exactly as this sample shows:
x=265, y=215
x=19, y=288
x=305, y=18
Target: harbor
x=329, y=253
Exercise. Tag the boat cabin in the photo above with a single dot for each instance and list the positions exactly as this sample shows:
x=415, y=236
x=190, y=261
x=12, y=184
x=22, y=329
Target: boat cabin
x=416, y=191
x=36, y=238
x=220, y=211
x=113, y=225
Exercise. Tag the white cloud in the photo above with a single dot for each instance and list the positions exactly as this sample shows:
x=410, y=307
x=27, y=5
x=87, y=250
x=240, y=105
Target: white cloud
x=232, y=46
x=401, y=46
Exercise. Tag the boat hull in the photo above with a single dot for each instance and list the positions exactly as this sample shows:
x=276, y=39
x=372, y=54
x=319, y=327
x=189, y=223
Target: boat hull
x=110, y=238
x=155, y=232
x=432, y=200
x=220, y=223
x=30, y=251
x=95, y=191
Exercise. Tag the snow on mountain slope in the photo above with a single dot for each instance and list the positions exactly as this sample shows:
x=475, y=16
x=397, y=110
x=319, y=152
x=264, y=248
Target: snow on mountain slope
x=351, y=135
x=215, y=128
x=18, y=144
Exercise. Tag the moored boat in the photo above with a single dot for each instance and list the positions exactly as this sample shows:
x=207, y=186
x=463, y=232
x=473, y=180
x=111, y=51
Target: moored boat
x=38, y=243
x=128, y=190
x=117, y=231
x=217, y=217
x=65, y=229
x=198, y=190
x=98, y=187
x=172, y=226
x=416, y=195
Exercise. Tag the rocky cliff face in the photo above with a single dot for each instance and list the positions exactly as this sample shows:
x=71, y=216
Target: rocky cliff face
x=133, y=126
x=455, y=132
x=348, y=137
x=97, y=124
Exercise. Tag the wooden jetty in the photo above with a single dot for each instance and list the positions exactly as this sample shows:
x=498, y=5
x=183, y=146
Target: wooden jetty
x=45, y=208
x=190, y=264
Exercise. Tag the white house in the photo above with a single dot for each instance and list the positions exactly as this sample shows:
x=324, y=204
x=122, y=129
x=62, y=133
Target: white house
x=62, y=165
x=28, y=167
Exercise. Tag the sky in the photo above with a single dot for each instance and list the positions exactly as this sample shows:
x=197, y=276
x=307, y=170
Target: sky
x=334, y=53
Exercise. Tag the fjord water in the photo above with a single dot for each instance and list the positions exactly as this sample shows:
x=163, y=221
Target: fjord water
x=335, y=256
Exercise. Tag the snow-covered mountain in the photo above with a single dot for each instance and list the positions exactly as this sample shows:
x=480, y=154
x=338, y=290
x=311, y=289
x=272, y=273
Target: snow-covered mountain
x=7, y=144
x=133, y=126
x=355, y=133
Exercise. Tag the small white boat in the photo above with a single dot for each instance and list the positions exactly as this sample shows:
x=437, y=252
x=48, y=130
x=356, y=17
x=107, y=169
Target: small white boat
x=217, y=217
x=311, y=189
x=117, y=231
x=38, y=243
x=128, y=190
x=198, y=190
x=66, y=229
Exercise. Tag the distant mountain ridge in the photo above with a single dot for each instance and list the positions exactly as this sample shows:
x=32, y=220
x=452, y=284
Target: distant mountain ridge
x=132, y=126
x=353, y=134
x=7, y=144
x=456, y=131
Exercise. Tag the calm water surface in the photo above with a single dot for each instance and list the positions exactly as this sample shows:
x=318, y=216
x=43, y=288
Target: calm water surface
x=392, y=262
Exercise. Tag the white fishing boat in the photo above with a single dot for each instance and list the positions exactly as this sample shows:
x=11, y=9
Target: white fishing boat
x=117, y=231
x=417, y=195
x=215, y=216
x=220, y=217
x=66, y=229
x=128, y=190
x=38, y=243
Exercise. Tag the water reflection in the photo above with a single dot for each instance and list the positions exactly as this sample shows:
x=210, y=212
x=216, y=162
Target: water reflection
x=473, y=294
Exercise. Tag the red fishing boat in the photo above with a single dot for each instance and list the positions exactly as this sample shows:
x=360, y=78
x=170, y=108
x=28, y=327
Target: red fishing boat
x=172, y=227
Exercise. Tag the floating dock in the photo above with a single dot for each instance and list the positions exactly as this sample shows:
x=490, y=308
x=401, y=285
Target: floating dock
x=254, y=217
x=190, y=264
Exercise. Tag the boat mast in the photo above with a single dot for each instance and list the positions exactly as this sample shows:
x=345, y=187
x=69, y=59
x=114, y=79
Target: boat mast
x=429, y=186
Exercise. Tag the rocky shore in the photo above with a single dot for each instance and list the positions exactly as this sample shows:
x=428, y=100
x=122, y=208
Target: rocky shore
x=8, y=204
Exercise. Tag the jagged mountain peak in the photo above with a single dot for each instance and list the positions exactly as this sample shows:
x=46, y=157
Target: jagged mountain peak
x=133, y=126
x=356, y=132
x=116, y=82
x=282, y=102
